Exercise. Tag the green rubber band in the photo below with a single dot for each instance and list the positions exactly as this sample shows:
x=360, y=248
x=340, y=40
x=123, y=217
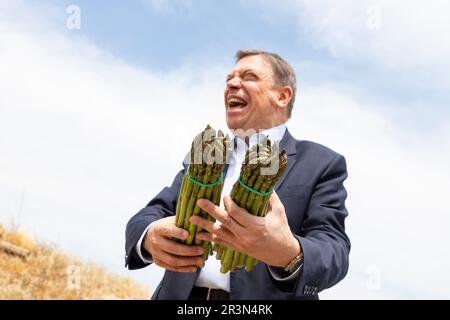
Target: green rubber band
x=259, y=193
x=206, y=185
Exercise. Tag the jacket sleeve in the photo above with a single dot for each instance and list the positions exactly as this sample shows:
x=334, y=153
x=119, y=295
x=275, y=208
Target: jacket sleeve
x=324, y=242
x=161, y=206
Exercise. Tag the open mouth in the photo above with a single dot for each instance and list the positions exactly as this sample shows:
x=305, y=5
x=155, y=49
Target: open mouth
x=236, y=103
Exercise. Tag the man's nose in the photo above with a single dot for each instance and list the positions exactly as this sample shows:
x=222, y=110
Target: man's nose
x=234, y=82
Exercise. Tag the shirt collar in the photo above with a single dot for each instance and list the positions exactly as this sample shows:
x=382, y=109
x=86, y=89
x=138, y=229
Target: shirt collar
x=274, y=134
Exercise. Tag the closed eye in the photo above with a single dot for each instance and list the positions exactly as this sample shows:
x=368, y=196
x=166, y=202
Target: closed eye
x=250, y=76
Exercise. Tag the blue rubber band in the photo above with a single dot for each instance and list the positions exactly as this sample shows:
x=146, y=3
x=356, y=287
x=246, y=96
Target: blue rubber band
x=259, y=193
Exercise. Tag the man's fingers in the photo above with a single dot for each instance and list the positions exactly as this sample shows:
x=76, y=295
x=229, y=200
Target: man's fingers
x=212, y=209
x=220, y=215
x=217, y=230
x=170, y=230
x=205, y=224
x=180, y=249
x=180, y=261
x=166, y=266
x=216, y=233
x=210, y=237
x=240, y=215
x=205, y=236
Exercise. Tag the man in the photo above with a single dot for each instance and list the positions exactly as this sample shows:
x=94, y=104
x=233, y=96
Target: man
x=301, y=242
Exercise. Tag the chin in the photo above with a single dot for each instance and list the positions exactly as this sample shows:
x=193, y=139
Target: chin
x=233, y=124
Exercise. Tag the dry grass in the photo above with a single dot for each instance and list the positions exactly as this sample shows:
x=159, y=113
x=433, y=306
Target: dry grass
x=48, y=274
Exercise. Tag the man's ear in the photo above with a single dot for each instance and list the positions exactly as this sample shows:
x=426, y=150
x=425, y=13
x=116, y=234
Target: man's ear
x=284, y=96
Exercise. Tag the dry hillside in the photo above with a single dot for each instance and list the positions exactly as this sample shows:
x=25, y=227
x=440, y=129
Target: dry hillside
x=29, y=270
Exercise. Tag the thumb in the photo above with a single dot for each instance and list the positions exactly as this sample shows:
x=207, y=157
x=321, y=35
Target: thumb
x=170, y=230
x=275, y=205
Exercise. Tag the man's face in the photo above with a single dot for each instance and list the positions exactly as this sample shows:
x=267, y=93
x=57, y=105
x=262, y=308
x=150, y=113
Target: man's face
x=250, y=95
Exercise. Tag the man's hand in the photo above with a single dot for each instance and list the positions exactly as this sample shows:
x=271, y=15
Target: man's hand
x=170, y=254
x=268, y=239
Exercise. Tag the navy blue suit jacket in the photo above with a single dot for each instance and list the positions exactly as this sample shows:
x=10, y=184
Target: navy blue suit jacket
x=313, y=195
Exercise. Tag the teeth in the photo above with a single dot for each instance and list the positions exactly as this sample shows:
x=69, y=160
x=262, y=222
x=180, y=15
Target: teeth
x=236, y=102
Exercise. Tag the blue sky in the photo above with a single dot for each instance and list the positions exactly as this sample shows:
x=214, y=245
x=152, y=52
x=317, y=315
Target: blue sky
x=162, y=40
x=164, y=35
x=82, y=111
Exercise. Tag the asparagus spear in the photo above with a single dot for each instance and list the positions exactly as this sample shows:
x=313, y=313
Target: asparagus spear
x=196, y=211
x=192, y=199
x=186, y=195
x=183, y=187
x=210, y=194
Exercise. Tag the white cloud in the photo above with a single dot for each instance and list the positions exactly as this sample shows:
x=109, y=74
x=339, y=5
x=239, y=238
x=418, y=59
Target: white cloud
x=396, y=35
x=396, y=191
x=87, y=140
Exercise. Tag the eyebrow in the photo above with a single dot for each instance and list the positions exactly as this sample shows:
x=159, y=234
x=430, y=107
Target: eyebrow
x=230, y=75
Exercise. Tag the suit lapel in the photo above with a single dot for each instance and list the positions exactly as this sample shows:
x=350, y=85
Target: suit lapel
x=288, y=144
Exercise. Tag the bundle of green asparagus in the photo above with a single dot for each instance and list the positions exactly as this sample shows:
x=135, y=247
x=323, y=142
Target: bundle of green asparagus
x=262, y=167
x=203, y=179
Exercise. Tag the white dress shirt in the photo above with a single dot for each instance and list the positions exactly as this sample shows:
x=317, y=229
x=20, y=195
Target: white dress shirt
x=210, y=275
